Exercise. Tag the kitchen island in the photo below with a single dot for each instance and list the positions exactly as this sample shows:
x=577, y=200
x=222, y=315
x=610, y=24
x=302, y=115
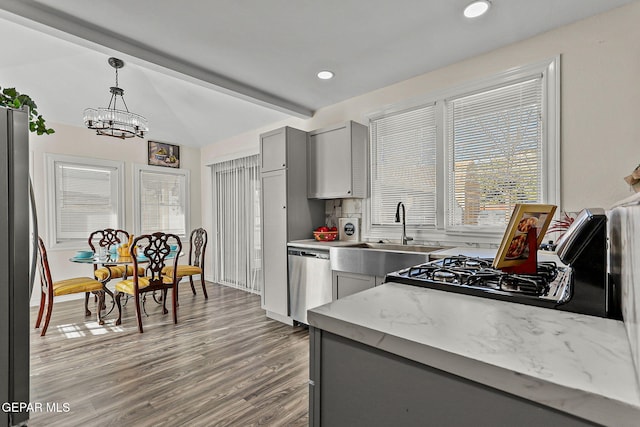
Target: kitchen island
x=405, y=355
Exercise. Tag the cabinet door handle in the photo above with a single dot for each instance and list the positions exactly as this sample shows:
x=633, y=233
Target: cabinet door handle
x=349, y=192
x=284, y=207
x=283, y=165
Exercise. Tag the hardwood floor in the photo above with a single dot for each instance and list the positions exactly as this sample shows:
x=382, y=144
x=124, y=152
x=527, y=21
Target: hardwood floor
x=223, y=364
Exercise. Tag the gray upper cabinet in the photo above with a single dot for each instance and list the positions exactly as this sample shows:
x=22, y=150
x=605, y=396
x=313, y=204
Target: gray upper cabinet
x=338, y=161
x=273, y=150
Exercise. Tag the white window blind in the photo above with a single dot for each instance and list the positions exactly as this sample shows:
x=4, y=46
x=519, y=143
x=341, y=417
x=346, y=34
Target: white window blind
x=462, y=159
x=162, y=201
x=238, y=250
x=83, y=195
x=403, y=166
x=495, y=154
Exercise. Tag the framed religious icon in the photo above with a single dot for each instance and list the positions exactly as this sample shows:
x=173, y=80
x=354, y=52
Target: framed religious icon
x=526, y=220
x=161, y=154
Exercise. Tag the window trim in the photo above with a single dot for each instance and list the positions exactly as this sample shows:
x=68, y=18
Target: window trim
x=550, y=71
x=137, y=211
x=51, y=160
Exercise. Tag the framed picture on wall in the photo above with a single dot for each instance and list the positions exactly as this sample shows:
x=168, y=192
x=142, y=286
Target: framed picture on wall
x=162, y=154
x=514, y=249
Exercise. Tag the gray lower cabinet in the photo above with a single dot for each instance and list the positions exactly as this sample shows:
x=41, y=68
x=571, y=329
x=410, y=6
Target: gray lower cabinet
x=350, y=283
x=352, y=384
x=286, y=212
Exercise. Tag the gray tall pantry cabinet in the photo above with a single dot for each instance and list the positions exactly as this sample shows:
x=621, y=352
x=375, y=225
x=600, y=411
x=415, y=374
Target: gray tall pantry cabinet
x=287, y=214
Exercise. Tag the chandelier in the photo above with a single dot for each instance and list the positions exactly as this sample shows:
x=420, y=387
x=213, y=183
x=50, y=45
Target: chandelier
x=111, y=121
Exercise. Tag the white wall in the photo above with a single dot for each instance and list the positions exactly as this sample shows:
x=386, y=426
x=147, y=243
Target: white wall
x=600, y=136
x=77, y=141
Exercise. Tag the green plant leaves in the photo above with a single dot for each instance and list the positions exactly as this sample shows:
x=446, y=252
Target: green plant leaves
x=10, y=97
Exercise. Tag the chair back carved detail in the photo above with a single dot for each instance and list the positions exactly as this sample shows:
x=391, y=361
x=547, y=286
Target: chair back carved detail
x=156, y=248
x=197, y=247
x=107, y=237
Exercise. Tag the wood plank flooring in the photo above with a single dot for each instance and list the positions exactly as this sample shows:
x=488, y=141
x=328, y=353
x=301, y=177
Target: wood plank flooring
x=223, y=364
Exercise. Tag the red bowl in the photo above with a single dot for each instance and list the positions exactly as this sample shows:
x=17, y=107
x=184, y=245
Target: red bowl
x=325, y=236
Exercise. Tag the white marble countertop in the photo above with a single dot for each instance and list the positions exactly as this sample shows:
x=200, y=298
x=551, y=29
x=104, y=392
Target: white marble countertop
x=314, y=244
x=575, y=363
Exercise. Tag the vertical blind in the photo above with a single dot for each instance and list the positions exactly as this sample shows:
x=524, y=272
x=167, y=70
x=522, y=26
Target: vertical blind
x=86, y=199
x=403, y=167
x=238, y=252
x=162, y=202
x=494, y=142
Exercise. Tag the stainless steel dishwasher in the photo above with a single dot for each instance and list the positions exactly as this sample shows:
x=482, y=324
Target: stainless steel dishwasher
x=309, y=281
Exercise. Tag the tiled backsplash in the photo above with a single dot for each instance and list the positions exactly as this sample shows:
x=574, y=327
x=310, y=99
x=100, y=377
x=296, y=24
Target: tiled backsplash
x=342, y=208
x=624, y=232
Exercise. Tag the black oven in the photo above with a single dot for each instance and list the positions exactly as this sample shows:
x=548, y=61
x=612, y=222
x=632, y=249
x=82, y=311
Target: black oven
x=584, y=248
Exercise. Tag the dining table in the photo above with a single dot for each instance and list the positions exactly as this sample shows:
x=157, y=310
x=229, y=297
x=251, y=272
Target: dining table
x=112, y=259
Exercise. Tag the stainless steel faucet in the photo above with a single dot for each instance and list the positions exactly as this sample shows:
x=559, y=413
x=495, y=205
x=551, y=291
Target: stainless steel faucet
x=405, y=239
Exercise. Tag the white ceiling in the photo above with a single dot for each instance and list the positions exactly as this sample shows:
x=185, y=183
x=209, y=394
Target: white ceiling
x=202, y=71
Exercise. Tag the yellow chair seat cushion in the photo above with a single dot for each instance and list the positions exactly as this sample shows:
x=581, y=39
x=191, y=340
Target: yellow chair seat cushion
x=76, y=285
x=183, y=270
x=117, y=271
x=127, y=286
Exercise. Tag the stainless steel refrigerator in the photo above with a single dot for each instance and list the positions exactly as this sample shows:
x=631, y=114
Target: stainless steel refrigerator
x=15, y=284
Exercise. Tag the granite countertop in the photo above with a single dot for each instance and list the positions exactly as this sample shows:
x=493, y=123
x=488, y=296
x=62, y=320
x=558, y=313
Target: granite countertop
x=575, y=363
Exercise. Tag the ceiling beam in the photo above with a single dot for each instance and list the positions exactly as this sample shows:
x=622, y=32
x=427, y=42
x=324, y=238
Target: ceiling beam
x=46, y=19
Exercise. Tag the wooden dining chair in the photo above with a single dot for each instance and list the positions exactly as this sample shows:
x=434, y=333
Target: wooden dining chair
x=50, y=289
x=105, y=239
x=155, y=255
x=195, y=266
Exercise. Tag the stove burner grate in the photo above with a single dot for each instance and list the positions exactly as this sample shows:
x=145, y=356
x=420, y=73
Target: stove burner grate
x=478, y=273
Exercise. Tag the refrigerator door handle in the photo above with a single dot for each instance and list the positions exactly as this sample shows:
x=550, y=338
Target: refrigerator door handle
x=34, y=239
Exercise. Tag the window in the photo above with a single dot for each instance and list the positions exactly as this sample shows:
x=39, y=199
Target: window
x=84, y=195
x=161, y=200
x=462, y=160
x=404, y=166
x=494, y=143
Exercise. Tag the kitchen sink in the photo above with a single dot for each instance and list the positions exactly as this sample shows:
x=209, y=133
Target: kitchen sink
x=378, y=259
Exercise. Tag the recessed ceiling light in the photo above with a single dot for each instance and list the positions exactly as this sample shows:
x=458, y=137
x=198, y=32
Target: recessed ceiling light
x=325, y=75
x=477, y=8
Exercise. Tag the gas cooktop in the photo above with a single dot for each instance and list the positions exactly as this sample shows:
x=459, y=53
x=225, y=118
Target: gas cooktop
x=549, y=287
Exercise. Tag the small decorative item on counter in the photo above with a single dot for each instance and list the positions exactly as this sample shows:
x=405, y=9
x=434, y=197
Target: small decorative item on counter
x=561, y=225
x=634, y=179
x=325, y=234
x=349, y=229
